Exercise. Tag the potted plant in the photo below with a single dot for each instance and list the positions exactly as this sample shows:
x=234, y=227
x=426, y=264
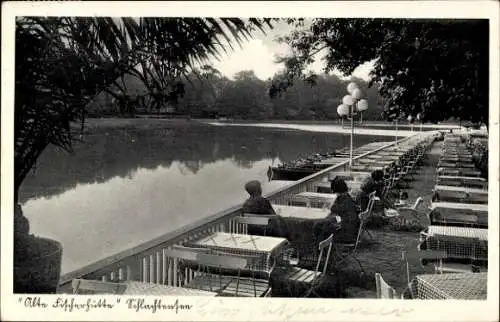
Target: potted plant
x=50, y=92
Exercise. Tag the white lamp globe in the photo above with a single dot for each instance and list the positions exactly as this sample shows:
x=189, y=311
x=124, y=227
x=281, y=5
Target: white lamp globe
x=351, y=87
x=419, y=117
x=356, y=94
x=410, y=118
x=362, y=105
x=343, y=110
x=347, y=100
x=339, y=109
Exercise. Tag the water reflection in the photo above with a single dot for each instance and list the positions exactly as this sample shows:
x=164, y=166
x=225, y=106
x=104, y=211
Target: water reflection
x=108, y=152
x=126, y=186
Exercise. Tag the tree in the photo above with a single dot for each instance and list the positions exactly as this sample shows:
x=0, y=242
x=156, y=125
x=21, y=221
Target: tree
x=245, y=97
x=206, y=86
x=62, y=63
x=317, y=100
x=438, y=68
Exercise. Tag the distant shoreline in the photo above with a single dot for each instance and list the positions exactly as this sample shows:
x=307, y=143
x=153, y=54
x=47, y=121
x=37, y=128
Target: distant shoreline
x=154, y=122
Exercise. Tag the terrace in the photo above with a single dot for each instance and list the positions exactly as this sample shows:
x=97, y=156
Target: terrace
x=265, y=265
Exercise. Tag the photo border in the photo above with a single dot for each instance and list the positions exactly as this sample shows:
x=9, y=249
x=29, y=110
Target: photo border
x=239, y=309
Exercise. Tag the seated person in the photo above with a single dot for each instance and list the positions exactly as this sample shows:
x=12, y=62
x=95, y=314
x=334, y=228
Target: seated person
x=373, y=183
x=256, y=204
x=344, y=207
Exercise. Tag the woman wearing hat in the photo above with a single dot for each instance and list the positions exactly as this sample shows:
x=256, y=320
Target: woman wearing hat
x=257, y=205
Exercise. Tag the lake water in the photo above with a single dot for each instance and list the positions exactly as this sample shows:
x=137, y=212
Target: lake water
x=127, y=185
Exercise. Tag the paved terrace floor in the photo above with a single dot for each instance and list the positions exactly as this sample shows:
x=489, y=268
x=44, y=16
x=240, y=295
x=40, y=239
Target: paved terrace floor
x=384, y=255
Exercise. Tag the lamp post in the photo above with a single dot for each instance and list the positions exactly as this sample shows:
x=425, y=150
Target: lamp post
x=410, y=120
x=396, y=132
x=419, y=118
x=351, y=104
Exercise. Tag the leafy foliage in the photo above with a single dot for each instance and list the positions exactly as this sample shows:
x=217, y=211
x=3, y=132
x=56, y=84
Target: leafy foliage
x=438, y=68
x=209, y=94
x=62, y=63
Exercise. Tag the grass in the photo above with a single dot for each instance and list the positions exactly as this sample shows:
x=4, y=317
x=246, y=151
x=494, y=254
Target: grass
x=383, y=255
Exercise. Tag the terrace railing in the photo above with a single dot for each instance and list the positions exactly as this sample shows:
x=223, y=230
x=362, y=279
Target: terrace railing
x=148, y=262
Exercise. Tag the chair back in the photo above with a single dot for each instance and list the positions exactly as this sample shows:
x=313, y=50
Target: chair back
x=221, y=261
x=185, y=253
x=82, y=286
x=363, y=217
x=388, y=183
x=410, y=256
x=418, y=202
x=253, y=219
x=371, y=201
x=325, y=244
x=408, y=214
x=384, y=290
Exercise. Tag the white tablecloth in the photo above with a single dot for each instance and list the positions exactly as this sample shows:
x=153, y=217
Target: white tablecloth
x=456, y=206
x=301, y=212
x=469, y=190
x=464, y=232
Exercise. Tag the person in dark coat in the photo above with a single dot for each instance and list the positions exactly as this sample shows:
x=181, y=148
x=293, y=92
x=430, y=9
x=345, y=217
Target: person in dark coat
x=345, y=208
x=256, y=204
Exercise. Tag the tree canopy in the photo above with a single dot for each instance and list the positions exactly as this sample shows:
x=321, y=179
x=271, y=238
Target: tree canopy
x=62, y=63
x=210, y=94
x=436, y=68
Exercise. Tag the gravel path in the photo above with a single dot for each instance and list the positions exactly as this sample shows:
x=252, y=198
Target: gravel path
x=384, y=255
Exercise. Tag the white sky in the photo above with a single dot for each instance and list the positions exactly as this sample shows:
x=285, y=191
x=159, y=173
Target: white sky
x=259, y=53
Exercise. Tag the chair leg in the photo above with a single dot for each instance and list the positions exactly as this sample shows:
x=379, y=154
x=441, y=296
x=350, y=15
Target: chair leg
x=359, y=263
x=369, y=234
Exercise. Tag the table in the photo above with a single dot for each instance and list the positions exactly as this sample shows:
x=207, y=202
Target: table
x=455, y=159
x=451, y=154
x=465, y=172
x=331, y=161
x=462, y=286
x=325, y=187
x=455, y=164
x=383, y=157
x=462, y=181
x=140, y=288
x=314, y=199
x=399, y=148
x=264, y=247
x=462, y=232
x=468, y=194
x=381, y=163
x=350, y=175
x=367, y=167
x=298, y=226
x=390, y=153
x=459, y=214
x=451, y=148
x=456, y=207
x=458, y=242
x=301, y=212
